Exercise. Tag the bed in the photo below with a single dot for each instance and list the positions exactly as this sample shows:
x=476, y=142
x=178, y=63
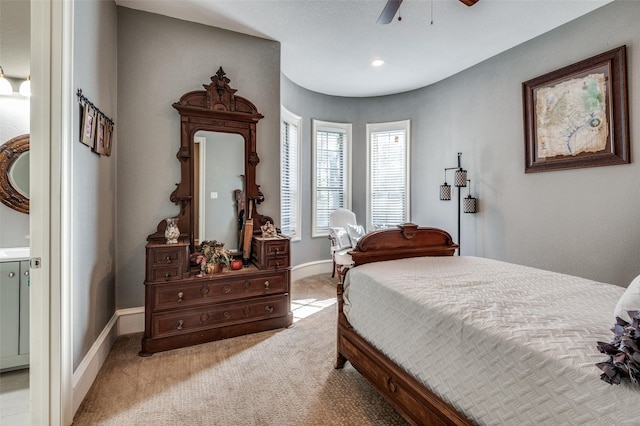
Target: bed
x=465, y=340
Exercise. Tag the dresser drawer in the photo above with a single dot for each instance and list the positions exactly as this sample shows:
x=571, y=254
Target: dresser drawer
x=192, y=294
x=219, y=315
x=277, y=248
x=270, y=253
x=167, y=256
x=276, y=262
x=167, y=262
x=167, y=273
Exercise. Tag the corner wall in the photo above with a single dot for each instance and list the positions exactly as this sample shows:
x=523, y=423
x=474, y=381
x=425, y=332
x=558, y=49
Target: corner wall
x=93, y=177
x=581, y=222
x=159, y=60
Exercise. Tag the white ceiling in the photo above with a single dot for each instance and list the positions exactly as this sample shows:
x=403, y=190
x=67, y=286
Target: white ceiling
x=328, y=45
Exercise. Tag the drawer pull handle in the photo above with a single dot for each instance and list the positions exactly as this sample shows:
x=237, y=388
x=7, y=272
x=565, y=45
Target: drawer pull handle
x=180, y=297
x=277, y=265
x=26, y=273
x=12, y=274
x=168, y=259
x=226, y=314
x=180, y=324
x=268, y=309
x=266, y=286
x=167, y=276
x=277, y=251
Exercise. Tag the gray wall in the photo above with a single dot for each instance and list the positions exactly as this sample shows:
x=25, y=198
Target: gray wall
x=94, y=177
x=160, y=59
x=581, y=222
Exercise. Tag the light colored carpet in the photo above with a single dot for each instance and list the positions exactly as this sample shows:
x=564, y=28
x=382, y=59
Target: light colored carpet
x=280, y=377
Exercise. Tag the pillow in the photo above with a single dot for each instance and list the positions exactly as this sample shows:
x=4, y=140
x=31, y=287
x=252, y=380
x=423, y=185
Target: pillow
x=340, y=238
x=630, y=300
x=355, y=233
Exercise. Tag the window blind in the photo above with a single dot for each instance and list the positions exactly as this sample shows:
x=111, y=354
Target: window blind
x=330, y=176
x=289, y=180
x=388, y=178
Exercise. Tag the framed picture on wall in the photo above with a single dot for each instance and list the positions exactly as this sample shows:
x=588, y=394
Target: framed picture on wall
x=577, y=116
x=101, y=135
x=108, y=138
x=88, y=128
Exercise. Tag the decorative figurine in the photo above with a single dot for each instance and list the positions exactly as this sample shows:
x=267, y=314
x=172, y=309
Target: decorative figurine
x=172, y=233
x=269, y=230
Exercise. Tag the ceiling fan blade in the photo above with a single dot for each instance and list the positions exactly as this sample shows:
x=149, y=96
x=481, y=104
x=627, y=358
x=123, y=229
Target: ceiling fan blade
x=469, y=2
x=389, y=11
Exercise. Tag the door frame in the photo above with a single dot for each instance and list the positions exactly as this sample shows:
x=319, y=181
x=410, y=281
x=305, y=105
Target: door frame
x=51, y=122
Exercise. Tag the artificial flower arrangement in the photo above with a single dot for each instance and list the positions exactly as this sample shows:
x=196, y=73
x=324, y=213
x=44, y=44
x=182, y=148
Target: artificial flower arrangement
x=209, y=254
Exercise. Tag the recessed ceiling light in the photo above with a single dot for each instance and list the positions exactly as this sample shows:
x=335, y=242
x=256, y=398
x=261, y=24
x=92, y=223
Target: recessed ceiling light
x=377, y=63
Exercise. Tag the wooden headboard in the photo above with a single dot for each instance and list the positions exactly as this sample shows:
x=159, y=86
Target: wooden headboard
x=408, y=240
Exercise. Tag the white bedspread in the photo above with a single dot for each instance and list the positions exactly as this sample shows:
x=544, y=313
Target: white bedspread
x=502, y=343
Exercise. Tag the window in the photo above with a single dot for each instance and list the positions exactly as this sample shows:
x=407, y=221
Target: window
x=290, y=175
x=332, y=172
x=387, y=174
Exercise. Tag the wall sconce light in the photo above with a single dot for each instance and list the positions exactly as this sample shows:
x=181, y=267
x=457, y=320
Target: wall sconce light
x=25, y=87
x=460, y=181
x=5, y=86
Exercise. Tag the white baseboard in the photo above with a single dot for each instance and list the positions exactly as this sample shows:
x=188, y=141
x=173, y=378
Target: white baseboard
x=91, y=364
x=311, y=268
x=131, y=320
x=123, y=321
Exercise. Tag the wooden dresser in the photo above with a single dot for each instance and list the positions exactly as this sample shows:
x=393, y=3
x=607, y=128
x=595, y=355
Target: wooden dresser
x=183, y=309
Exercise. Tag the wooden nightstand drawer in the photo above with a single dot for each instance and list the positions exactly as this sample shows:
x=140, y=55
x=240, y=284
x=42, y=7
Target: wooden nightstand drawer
x=164, y=324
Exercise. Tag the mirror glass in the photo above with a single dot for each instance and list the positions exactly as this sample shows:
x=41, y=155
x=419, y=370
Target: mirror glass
x=19, y=174
x=218, y=170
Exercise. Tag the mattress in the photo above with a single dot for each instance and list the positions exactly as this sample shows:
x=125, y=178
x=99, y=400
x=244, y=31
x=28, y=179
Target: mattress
x=502, y=343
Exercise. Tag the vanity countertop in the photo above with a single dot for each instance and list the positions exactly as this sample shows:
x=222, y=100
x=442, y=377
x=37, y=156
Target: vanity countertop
x=14, y=253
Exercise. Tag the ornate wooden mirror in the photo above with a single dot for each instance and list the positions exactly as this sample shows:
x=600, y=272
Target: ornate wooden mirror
x=217, y=114
x=14, y=173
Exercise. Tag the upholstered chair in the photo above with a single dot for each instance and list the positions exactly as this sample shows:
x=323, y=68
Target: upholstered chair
x=344, y=234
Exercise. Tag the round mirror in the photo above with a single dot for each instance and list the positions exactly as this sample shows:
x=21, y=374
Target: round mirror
x=19, y=174
x=14, y=173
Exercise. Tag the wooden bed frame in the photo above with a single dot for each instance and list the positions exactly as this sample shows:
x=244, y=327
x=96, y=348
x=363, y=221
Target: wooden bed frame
x=417, y=404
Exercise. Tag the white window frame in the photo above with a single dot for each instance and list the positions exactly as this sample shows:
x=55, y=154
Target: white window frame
x=404, y=125
x=293, y=120
x=327, y=126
